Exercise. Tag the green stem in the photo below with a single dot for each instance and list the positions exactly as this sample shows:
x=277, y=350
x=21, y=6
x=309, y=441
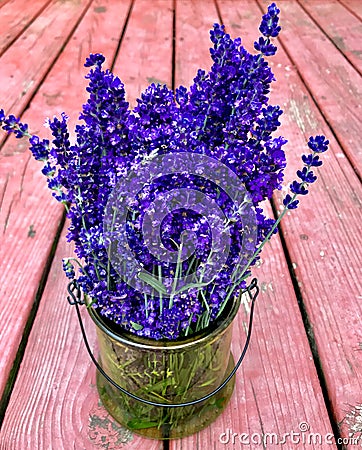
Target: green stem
x=160, y=279
x=109, y=259
x=178, y=270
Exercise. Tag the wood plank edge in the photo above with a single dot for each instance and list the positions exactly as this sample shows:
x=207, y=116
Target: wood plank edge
x=124, y=29
x=26, y=100
x=308, y=327
x=5, y=398
x=17, y=35
x=306, y=8
x=338, y=136
x=350, y=9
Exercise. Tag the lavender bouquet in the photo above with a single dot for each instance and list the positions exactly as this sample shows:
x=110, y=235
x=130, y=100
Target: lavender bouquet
x=165, y=200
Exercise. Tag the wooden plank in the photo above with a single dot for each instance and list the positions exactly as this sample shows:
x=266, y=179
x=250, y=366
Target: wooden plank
x=323, y=236
x=41, y=43
x=146, y=51
x=334, y=87
x=187, y=60
x=341, y=26
x=55, y=403
x=24, y=196
x=263, y=366
x=94, y=427
x=277, y=388
x=355, y=6
x=15, y=17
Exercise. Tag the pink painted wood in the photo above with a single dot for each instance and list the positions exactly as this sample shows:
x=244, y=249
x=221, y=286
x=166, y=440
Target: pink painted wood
x=56, y=377
x=354, y=6
x=16, y=16
x=341, y=26
x=264, y=402
x=41, y=43
x=136, y=64
x=26, y=203
x=54, y=403
x=57, y=381
x=328, y=75
x=323, y=241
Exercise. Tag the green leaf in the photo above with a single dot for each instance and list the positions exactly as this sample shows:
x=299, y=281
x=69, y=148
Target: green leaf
x=220, y=402
x=208, y=382
x=136, y=424
x=136, y=326
x=154, y=388
x=152, y=281
x=192, y=285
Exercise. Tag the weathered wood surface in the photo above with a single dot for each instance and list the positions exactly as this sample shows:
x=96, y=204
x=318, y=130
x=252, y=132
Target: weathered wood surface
x=57, y=371
x=146, y=51
x=277, y=338
x=193, y=22
x=327, y=74
x=29, y=59
x=341, y=26
x=15, y=17
x=29, y=216
x=278, y=390
x=324, y=245
x=55, y=404
x=355, y=6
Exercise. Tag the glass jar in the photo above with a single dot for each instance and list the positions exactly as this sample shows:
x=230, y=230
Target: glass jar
x=166, y=372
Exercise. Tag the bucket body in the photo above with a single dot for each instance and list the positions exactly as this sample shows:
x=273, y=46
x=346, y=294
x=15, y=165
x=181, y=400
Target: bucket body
x=166, y=372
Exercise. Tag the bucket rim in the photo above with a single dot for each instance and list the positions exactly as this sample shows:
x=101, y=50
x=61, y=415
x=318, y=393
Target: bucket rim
x=214, y=330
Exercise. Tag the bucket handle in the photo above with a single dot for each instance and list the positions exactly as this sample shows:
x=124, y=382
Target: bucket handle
x=75, y=298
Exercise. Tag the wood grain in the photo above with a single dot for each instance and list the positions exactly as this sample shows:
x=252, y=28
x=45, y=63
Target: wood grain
x=339, y=25
x=29, y=59
x=83, y=423
x=323, y=237
x=25, y=202
x=15, y=17
x=146, y=51
x=3, y=2
x=355, y=6
x=277, y=388
x=335, y=84
x=55, y=403
x=192, y=41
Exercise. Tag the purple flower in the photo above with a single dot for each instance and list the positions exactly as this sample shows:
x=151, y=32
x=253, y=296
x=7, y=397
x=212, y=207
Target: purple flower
x=269, y=26
x=318, y=144
x=306, y=175
x=95, y=59
x=289, y=202
x=312, y=160
x=265, y=47
x=225, y=115
x=68, y=268
x=298, y=188
x=39, y=148
x=12, y=124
